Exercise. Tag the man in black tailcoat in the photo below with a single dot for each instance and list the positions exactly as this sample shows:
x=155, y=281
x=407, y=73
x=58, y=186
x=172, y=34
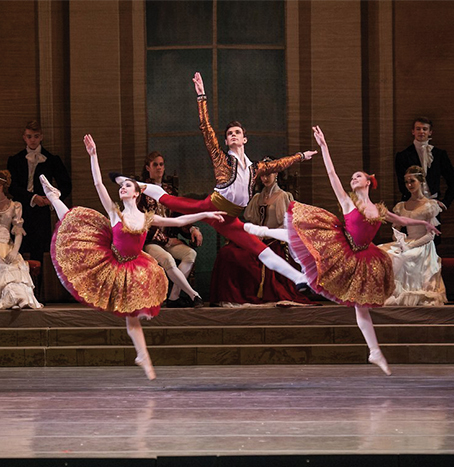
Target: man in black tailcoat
x=26, y=167
x=434, y=162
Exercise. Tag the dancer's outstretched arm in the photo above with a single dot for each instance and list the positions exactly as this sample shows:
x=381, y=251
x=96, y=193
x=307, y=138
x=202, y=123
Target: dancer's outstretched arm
x=402, y=220
x=103, y=194
x=341, y=195
x=187, y=219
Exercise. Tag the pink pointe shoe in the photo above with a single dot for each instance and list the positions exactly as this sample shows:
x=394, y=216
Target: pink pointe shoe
x=377, y=358
x=145, y=363
x=49, y=190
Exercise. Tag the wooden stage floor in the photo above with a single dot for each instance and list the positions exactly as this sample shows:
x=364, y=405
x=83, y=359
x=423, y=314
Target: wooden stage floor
x=285, y=410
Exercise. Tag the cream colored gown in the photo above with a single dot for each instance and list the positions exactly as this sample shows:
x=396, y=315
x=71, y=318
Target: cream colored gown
x=16, y=285
x=417, y=271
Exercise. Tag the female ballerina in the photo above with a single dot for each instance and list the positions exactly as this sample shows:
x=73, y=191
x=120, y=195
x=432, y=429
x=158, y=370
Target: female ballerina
x=340, y=262
x=102, y=264
x=416, y=265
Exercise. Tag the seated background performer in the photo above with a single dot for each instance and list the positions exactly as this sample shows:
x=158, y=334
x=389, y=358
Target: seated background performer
x=163, y=243
x=235, y=176
x=16, y=285
x=238, y=276
x=416, y=265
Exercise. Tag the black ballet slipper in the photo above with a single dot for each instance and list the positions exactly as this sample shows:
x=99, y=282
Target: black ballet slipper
x=114, y=175
x=197, y=302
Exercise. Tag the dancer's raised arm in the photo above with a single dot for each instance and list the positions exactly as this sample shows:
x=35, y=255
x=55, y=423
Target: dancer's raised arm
x=103, y=194
x=341, y=195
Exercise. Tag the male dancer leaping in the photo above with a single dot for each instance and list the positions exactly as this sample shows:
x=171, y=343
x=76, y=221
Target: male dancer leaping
x=235, y=176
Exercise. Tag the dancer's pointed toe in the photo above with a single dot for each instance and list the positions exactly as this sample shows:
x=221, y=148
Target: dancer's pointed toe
x=147, y=367
x=377, y=358
x=49, y=190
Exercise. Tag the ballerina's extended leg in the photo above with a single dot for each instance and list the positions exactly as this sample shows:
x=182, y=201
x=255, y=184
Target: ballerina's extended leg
x=53, y=195
x=143, y=359
x=367, y=328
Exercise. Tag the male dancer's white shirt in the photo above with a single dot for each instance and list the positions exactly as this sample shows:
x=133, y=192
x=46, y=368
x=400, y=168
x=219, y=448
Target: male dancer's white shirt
x=238, y=192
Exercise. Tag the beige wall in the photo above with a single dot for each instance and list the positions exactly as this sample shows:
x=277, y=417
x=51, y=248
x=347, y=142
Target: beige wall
x=78, y=67
x=424, y=77
x=361, y=70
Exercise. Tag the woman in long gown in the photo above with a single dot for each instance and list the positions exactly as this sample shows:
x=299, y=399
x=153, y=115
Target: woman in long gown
x=101, y=262
x=340, y=261
x=416, y=265
x=16, y=285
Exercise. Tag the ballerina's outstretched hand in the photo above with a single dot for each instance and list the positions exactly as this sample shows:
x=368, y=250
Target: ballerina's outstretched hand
x=90, y=145
x=216, y=215
x=319, y=136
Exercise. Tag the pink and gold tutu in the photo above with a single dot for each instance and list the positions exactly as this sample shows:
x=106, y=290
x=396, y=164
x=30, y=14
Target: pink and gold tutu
x=340, y=261
x=104, y=267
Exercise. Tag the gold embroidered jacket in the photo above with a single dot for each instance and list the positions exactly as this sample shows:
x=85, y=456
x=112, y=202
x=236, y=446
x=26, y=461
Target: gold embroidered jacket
x=225, y=165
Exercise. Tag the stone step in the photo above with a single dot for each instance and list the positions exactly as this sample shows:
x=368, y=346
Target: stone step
x=76, y=315
x=226, y=335
x=112, y=355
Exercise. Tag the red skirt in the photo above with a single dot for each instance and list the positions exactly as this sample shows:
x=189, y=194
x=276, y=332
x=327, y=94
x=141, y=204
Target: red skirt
x=317, y=239
x=86, y=265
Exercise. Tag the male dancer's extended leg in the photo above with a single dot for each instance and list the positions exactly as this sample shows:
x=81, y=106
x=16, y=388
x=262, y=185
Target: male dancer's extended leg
x=231, y=228
x=263, y=231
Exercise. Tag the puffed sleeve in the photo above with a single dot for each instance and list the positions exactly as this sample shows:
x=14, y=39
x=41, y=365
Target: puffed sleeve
x=398, y=208
x=17, y=221
x=282, y=205
x=432, y=211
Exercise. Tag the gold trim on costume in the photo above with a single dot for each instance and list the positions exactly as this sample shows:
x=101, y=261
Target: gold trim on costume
x=353, y=245
x=225, y=205
x=119, y=257
x=382, y=210
x=149, y=215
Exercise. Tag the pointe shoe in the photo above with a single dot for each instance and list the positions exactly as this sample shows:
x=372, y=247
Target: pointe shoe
x=117, y=177
x=145, y=363
x=377, y=358
x=257, y=230
x=49, y=190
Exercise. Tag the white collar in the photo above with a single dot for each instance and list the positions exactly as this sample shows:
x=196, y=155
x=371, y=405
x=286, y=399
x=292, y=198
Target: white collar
x=246, y=158
x=35, y=151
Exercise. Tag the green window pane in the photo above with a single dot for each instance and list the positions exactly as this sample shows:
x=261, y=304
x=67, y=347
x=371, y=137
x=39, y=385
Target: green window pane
x=171, y=99
x=251, y=22
x=179, y=23
x=252, y=88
